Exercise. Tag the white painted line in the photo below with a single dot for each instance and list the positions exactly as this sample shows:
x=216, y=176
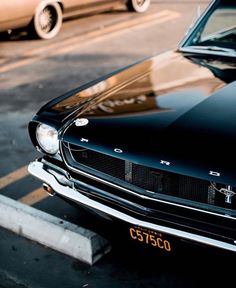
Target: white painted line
x=65, y=237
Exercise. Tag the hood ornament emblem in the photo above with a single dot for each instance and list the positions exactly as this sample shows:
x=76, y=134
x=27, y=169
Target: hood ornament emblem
x=227, y=191
x=81, y=122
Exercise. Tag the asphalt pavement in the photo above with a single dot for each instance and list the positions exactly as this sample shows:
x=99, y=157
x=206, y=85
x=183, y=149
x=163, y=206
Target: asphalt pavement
x=27, y=264
x=125, y=266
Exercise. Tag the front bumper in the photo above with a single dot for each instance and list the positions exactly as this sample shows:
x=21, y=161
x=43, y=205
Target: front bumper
x=64, y=186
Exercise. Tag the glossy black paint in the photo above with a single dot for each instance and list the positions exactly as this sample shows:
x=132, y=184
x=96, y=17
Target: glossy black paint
x=186, y=117
x=175, y=111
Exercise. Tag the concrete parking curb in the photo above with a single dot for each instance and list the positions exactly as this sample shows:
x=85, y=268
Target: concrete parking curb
x=70, y=239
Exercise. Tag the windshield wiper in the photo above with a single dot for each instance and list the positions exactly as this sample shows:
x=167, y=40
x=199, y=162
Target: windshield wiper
x=231, y=52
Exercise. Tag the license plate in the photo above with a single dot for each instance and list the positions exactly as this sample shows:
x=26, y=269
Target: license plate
x=149, y=237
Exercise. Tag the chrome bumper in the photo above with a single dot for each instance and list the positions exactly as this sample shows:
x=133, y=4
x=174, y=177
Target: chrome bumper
x=36, y=169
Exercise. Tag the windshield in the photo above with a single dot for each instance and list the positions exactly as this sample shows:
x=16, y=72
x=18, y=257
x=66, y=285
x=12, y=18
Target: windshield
x=216, y=31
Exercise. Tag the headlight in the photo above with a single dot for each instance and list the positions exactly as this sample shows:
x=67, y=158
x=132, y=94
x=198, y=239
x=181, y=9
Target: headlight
x=47, y=138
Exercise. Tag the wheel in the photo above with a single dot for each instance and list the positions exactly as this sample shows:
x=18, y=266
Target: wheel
x=138, y=5
x=47, y=21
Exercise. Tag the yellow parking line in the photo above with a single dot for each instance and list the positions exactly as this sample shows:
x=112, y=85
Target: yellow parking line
x=76, y=42
x=121, y=27
x=163, y=16
x=34, y=197
x=13, y=176
x=17, y=64
x=109, y=32
x=31, y=198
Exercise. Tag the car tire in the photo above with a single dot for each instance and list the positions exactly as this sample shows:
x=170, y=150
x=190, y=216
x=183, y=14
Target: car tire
x=139, y=6
x=47, y=21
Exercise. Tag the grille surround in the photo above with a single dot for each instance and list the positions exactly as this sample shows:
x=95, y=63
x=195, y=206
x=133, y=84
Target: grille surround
x=145, y=180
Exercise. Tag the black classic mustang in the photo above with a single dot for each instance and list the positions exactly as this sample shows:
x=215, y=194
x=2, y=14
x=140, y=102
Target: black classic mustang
x=153, y=144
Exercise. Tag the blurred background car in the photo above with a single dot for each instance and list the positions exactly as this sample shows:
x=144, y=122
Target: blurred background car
x=43, y=18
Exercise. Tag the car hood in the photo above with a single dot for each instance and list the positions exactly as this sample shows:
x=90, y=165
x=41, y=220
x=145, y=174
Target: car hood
x=169, y=112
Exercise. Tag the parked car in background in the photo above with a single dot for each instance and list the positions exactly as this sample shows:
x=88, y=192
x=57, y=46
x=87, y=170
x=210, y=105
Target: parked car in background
x=43, y=18
x=152, y=145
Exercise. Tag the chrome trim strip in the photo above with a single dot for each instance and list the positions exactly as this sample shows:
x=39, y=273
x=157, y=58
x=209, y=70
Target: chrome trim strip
x=187, y=49
x=36, y=169
x=137, y=194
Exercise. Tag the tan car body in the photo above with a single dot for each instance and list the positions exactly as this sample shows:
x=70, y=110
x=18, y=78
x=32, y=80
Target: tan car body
x=19, y=13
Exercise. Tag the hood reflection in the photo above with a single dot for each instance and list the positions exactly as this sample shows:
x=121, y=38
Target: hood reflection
x=166, y=82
